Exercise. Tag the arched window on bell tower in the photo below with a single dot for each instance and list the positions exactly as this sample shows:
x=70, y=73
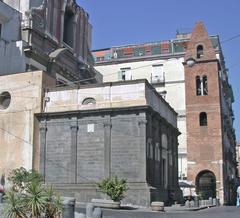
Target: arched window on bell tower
x=201, y=85
x=205, y=85
x=199, y=51
x=203, y=119
x=198, y=85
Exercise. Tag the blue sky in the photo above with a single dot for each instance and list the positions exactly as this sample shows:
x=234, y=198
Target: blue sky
x=119, y=22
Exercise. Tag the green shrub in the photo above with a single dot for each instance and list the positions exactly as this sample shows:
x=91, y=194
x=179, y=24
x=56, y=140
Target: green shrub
x=114, y=187
x=21, y=178
x=30, y=197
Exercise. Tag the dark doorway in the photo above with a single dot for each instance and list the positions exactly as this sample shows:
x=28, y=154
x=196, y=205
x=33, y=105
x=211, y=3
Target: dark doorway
x=206, y=185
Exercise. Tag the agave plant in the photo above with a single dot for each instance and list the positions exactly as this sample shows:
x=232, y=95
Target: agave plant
x=54, y=203
x=29, y=197
x=14, y=205
x=35, y=199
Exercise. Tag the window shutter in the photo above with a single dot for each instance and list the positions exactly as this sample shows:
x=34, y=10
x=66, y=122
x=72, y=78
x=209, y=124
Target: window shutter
x=119, y=75
x=128, y=74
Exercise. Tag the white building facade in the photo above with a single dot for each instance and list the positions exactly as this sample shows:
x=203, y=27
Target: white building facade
x=161, y=63
x=166, y=74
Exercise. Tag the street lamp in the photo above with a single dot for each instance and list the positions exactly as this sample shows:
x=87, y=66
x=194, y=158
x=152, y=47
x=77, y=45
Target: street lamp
x=190, y=62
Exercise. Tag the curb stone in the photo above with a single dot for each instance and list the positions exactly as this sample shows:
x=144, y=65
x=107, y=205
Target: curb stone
x=170, y=209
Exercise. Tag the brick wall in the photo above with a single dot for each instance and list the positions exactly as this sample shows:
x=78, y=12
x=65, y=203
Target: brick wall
x=204, y=143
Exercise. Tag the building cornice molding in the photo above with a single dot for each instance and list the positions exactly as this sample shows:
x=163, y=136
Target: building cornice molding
x=106, y=111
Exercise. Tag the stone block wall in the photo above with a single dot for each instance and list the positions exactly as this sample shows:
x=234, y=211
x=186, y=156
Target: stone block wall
x=79, y=150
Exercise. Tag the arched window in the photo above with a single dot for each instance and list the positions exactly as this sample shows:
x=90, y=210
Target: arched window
x=203, y=119
x=149, y=142
x=198, y=86
x=5, y=100
x=68, y=27
x=164, y=140
x=88, y=101
x=205, y=85
x=199, y=51
x=201, y=85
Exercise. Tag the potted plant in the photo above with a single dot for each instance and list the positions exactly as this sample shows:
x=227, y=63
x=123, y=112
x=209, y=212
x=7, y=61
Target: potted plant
x=115, y=188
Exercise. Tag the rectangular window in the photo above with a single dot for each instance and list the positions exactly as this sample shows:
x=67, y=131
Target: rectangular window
x=158, y=74
x=125, y=74
x=165, y=47
x=156, y=50
x=100, y=58
x=119, y=54
x=128, y=51
x=178, y=47
x=139, y=52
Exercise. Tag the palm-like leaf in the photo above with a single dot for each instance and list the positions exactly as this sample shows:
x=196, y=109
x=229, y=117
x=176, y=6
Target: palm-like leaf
x=30, y=198
x=14, y=205
x=54, y=205
x=35, y=199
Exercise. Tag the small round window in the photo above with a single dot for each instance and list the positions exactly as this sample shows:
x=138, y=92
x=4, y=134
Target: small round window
x=5, y=99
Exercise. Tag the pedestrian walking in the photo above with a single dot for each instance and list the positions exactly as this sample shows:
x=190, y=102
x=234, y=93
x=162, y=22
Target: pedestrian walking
x=238, y=196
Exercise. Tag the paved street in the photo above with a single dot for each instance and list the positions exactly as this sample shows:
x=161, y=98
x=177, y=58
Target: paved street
x=219, y=212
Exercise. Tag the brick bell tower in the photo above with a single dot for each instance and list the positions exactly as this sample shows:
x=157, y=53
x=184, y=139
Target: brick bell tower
x=203, y=115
